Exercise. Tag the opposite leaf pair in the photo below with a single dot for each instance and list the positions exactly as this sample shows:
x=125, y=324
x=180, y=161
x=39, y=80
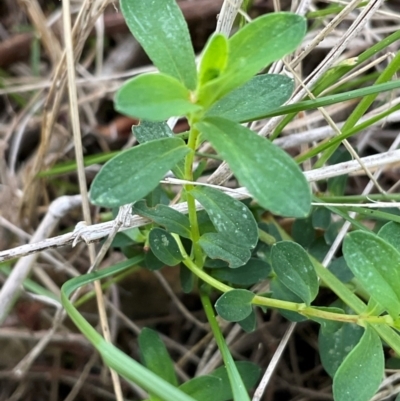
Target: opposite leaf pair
x=223, y=93
x=226, y=64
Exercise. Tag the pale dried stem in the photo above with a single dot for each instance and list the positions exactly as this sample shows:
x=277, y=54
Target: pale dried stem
x=95, y=232
x=223, y=173
x=320, y=133
x=33, y=336
x=336, y=129
x=69, y=51
x=181, y=307
x=355, y=74
x=92, y=81
x=11, y=288
x=216, y=358
x=82, y=378
x=326, y=31
x=273, y=363
x=84, y=23
x=229, y=11
x=47, y=37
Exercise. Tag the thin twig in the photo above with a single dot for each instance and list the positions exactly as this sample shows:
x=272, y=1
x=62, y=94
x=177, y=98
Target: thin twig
x=182, y=308
x=11, y=288
x=272, y=365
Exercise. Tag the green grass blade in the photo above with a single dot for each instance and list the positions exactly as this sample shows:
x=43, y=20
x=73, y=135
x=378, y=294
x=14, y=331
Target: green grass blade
x=70, y=166
x=113, y=357
x=332, y=99
x=364, y=105
x=238, y=388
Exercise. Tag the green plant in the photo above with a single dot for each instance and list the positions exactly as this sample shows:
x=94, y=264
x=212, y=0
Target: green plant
x=220, y=249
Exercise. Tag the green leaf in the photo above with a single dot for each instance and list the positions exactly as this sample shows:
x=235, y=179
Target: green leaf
x=318, y=249
x=149, y=130
x=321, y=218
x=164, y=246
x=335, y=346
x=230, y=217
x=216, y=386
x=217, y=246
x=186, y=278
x=262, y=93
x=337, y=185
x=154, y=97
x=249, y=372
x=155, y=356
x=160, y=28
x=132, y=174
x=157, y=196
x=216, y=263
x=128, y=238
x=204, y=222
x=270, y=175
x=375, y=263
x=294, y=269
x=113, y=357
x=171, y=219
x=332, y=231
x=331, y=99
x=235, y=305
x=281, y=34
x=280, y=291
x=248, y=324
x=361, y=373
x=204, y=388
x=303, y=231
x=340, y=269
x=390, y=232
x=213, y=59
x=254, y=271
x=155, y=130
x=152, y=262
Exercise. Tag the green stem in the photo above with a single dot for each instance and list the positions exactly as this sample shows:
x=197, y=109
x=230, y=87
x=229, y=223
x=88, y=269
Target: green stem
x=381, y=324
x=238, y=389
x=371, y=213
x=307, y=311
x=385, y=331
x=194, y=227
x=201, y=274
x=266, y=238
